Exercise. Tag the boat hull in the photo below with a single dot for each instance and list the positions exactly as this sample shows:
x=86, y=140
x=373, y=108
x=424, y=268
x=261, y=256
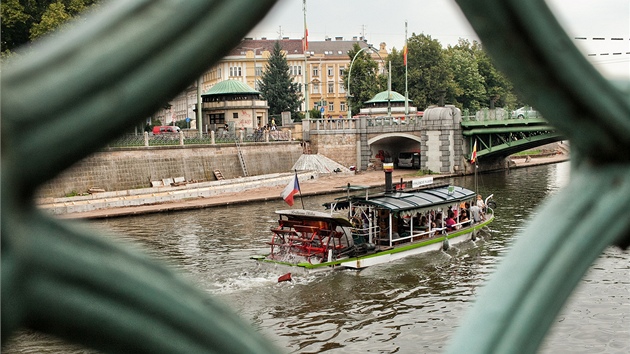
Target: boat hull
x=388, y=255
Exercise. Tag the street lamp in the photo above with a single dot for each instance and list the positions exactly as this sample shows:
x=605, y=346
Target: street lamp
x=350, y=72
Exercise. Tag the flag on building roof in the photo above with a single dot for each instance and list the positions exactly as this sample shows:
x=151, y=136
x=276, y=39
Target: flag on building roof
x=290, y=190
x=473, y=157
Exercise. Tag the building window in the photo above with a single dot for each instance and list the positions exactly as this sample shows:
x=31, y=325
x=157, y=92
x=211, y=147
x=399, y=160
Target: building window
x=331, y=87
x=258, y=71
x=235, y=115
x=218, y=118
x=315, y=88
x=342, y=70
x=341, y=88
x=342, y=106
x=296, y=70
x=331, y=71
x=315, y=71
x=331, y=106
x=235, y=71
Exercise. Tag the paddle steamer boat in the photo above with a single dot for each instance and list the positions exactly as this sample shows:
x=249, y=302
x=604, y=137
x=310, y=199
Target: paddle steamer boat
x=362, y=230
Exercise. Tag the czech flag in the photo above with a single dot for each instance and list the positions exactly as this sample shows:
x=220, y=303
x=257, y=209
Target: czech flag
x=473, y=157
x=290, y=190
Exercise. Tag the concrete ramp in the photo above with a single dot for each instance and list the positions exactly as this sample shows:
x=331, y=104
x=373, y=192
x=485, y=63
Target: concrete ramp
x=319, y=163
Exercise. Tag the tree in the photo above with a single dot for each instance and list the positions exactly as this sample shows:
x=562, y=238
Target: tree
x=470, y=92
x=497, y=85
x=428, y=74
x=277, y=86
x=26, y=20
x=365, y=80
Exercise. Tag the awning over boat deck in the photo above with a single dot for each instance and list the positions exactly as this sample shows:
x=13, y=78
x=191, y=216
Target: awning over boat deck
x=412, y=202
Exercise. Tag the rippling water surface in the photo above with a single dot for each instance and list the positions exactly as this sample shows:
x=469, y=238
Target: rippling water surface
x=410, y=306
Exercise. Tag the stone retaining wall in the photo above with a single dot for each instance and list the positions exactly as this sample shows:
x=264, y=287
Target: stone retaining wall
x=341, y=148
x=121, y=169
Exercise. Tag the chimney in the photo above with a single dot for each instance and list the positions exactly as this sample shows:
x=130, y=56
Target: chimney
x=388, y=167
x=339, y=38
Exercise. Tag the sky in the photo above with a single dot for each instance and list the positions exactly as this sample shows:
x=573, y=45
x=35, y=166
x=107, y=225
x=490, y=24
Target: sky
x=384, y=21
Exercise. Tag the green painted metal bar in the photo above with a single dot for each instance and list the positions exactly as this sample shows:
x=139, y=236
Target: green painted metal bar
x=535, y=128
x=61, y=279
x=504, y=122
x=512, y=147
x=68, y=96
x=515, y=310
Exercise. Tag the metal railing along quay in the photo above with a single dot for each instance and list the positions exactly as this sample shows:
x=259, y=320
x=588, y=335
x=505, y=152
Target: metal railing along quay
x=193, y=138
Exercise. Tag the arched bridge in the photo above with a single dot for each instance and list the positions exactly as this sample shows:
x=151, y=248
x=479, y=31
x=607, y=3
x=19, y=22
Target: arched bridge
x=443, y=137
x=504, y=137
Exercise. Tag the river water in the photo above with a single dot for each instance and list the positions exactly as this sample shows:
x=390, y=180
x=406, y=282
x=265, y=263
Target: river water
x=410, y=306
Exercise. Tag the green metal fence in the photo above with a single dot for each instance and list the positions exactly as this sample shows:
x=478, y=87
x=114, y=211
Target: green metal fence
x=61, y=279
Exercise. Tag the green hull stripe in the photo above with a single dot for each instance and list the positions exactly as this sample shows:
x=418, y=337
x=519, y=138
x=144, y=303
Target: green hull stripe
x=392, y=251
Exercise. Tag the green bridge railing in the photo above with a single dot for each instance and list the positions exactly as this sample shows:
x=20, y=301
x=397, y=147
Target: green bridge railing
x=61, y=279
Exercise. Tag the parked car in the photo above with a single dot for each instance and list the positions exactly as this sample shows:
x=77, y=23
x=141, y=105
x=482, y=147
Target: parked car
x=525, y=112
x=409, y=159
x=163, y=129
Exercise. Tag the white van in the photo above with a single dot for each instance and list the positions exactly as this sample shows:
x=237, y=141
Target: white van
x=409, y=159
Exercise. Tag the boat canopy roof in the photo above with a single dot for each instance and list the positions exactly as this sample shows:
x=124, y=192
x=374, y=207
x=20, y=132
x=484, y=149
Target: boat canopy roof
x=409, y=203
x=302, y=214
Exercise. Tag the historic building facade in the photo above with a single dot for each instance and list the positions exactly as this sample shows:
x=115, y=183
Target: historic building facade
x=326, y=62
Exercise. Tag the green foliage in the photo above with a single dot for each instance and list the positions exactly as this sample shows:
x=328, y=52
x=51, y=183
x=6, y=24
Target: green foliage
x=469, y=89
x=463, y=72
x=182, y=124
x=315, y=113
x=365, y=79
x=427, y=71
x=25, y=20
x=277, y=85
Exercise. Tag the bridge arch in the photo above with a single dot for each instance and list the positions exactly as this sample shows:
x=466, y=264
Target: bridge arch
x=391, y=144
x=393, y=135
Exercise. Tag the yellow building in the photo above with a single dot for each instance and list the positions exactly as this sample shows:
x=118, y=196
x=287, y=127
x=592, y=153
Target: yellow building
x=326, y=62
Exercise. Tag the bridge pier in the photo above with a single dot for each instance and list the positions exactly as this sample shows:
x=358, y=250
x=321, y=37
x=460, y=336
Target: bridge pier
x=442, y=140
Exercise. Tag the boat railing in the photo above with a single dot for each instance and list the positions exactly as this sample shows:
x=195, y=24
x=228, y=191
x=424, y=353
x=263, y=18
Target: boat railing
x=362, y=234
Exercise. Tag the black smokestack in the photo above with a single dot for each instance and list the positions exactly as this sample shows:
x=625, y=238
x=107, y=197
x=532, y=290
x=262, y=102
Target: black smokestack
x=388, y=167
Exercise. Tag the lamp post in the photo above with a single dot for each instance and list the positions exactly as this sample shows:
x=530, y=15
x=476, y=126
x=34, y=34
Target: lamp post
x=350, y=72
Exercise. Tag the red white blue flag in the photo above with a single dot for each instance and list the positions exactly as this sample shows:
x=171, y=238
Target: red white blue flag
x=290, y=190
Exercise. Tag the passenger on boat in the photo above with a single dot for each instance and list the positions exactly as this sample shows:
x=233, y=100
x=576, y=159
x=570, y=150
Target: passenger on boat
x=438, y=220
x=424, y=222
x=481, y=204
x=475, y=213
x=450, y=221
x=463, y=218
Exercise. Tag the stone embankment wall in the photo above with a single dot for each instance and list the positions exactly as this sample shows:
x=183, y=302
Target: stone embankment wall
x=341, y=148
x=129, y=168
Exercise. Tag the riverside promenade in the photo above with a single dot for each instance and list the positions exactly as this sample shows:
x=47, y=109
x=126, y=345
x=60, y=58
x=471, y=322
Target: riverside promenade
x=324, y=184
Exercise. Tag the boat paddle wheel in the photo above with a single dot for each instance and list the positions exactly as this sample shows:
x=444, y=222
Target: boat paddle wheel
x=308, y=239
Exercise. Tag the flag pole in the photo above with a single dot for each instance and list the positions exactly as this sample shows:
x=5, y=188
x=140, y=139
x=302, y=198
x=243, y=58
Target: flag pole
x=299, y=188
x=307, y=114
x=406, y=51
